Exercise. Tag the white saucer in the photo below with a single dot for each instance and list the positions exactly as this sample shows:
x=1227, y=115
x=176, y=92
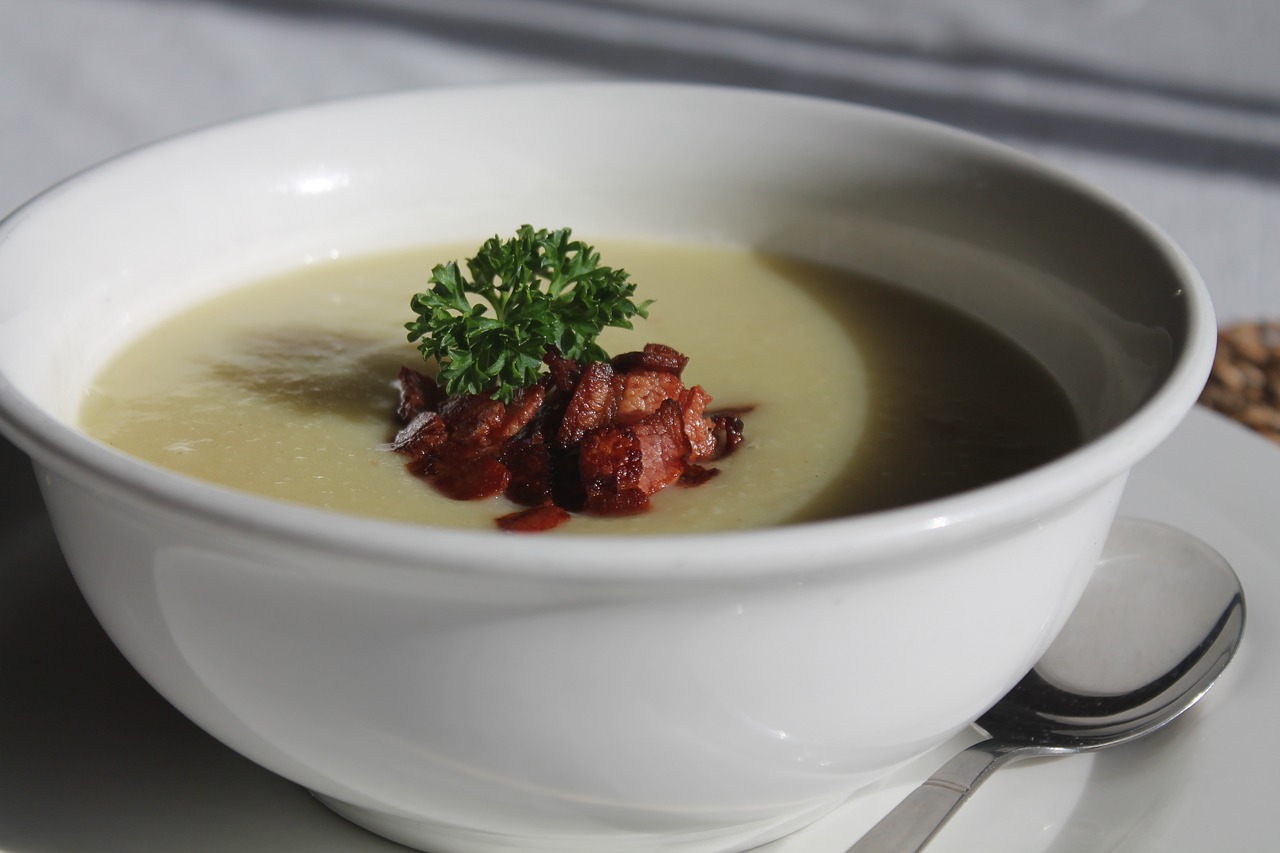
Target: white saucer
x=92, y=760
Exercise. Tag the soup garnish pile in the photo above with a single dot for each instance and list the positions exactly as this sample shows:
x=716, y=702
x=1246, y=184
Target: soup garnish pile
x=527, y=405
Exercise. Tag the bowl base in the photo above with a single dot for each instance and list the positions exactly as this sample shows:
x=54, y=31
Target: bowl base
x=453, y=838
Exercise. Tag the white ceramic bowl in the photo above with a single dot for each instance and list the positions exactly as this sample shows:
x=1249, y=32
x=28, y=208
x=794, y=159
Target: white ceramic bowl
x=461, y=693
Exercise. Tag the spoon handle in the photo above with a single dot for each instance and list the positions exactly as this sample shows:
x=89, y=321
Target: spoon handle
x=915, y=820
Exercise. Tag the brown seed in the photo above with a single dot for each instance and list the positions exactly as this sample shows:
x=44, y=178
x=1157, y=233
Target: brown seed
x=1273, y=382
x=1227, y=373
x=1261, y=417
x=1245, y=340
x=1255, y=382
x=1245, y=380
x=1254, y=374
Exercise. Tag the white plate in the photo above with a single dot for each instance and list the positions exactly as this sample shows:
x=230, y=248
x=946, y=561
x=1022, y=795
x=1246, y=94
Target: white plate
x=92, y=760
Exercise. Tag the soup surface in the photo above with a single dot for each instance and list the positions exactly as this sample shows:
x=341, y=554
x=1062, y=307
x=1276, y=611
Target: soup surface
x=866, y=397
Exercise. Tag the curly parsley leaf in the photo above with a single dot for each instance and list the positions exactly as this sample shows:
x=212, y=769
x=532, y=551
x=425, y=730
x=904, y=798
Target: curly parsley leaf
x=536, y=290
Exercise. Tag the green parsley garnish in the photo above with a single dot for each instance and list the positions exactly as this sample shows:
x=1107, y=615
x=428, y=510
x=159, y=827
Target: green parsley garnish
x=544, y=290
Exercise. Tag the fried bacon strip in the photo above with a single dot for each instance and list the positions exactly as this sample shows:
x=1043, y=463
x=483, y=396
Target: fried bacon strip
x=599, y=438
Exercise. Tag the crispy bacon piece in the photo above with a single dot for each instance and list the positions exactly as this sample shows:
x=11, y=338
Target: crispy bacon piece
x=610, y=460
x=418, y=393
x=464, y=474
x=699, y=429
x=535, y=519
x=600, y=438
x=474, y=420
x=652, y=357
x=643, y=391
x=528, y=459
x=728, y=424
x=564, y=372
x=663, y=447
x=522, y=409
x=422, y=435
x=611, y=465
x=696, y=475
x=625, y=502
x=592, y=406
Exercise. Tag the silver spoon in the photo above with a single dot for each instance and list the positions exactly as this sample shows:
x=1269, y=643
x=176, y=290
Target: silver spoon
x=1158, y=623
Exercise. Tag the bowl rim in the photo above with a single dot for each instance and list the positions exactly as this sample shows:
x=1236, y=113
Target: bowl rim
x=645, y=558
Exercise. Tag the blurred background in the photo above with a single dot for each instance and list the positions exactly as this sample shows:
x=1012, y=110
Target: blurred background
x=1171, y=105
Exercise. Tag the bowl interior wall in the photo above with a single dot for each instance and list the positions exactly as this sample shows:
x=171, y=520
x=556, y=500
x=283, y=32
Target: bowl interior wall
x=1071, y=279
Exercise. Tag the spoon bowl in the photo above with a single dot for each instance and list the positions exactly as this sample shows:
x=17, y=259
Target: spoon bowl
x=1159, y=622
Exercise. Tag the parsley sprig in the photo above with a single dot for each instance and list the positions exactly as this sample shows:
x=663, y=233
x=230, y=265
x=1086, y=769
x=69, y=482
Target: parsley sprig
x=542, y=289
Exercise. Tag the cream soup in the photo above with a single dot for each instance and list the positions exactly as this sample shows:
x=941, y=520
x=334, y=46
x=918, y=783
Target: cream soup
x=865, y=396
